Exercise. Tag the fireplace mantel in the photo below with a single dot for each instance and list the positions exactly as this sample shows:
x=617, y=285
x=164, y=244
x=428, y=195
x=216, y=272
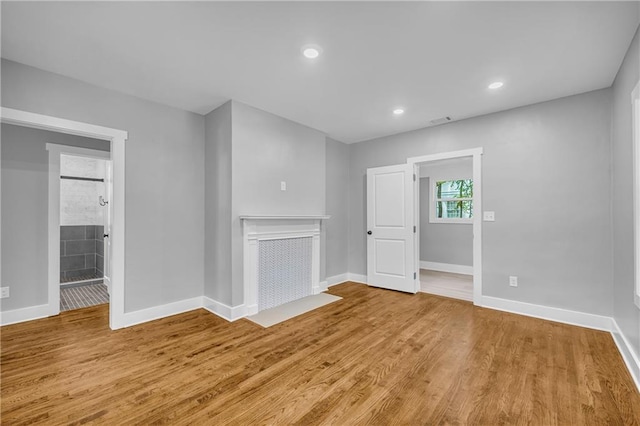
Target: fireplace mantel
x=257, y=228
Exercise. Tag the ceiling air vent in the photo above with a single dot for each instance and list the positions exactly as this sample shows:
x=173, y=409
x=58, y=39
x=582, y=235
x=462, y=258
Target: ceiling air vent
x=440, y=121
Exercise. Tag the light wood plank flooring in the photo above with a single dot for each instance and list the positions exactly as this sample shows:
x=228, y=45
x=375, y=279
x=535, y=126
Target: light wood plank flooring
x=376, y=357
x=446, y=284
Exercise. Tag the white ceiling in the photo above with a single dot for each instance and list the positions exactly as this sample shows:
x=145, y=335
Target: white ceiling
x=432, y=58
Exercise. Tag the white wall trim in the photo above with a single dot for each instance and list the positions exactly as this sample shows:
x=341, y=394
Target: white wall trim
x=582, y=319
x=630, y=358
x=62, y=125
x=635, y=143
x=229, y=313
x=337, y=279
x=323, y=286
x=30, y=313
x=162, y=311
x=446, y=267
x=117, y=203
x=357, y=278
x=445, y=155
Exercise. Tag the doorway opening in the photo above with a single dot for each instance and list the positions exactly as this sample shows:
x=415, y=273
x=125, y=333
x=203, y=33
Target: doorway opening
x=445, y=194
x=448, y=210
x=84, y=228
x=116, y=138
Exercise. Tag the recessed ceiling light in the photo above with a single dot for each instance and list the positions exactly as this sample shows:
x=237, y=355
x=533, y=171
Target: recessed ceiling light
x=398, y=111
x=496, y=85
x=311, y=51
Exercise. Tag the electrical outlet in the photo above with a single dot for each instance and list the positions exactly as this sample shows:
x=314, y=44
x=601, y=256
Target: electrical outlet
x=4, y=292
x=283, y=186
x=513, y=281
x=489, y=216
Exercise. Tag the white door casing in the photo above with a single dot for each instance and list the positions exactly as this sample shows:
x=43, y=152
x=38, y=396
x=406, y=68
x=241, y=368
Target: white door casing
x=55, y=153
x=476, y=154
x=108, y=190
x=117, y=235
x=390, y=228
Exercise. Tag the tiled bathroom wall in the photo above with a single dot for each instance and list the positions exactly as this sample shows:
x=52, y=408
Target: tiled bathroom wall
x=79, y=198
x=81, y=252
x=81, y=218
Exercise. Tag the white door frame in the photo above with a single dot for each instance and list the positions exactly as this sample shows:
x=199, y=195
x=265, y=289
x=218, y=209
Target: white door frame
x=476, y=153
x=55, y=151
x=117, y=139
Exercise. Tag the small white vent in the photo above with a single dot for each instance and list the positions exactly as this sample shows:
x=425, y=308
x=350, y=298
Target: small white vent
x=440, y=121
x=284, y=271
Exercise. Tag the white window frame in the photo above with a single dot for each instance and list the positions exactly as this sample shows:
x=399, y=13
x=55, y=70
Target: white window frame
x=432, y=202
x=635, y=122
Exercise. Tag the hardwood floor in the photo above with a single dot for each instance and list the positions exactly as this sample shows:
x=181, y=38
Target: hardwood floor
x=375, y=357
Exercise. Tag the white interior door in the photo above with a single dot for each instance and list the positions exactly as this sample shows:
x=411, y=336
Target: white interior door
x=108, y=209
x=391, y=228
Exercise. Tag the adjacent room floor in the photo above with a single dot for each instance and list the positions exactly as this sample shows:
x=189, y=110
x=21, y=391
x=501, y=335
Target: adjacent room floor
x=458, y=286
x=83, y=296
x=375, y=357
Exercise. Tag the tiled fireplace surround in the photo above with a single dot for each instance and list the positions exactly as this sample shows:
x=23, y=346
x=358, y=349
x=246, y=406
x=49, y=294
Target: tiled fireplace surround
x=81, y=251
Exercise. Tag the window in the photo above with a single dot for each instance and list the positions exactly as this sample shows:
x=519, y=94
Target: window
x=451, y=201
x=635, y=122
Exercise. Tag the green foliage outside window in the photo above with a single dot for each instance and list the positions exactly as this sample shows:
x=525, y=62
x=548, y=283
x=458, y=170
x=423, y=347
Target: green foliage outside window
x=454, y=199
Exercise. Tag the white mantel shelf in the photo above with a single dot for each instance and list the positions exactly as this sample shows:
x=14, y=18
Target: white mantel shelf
x=309, y=217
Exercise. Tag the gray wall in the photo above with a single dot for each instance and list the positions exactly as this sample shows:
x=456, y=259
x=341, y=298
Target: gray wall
x=337, y=196
x=450, y=243
x=217, y=251
x=25, y=196
x=626, y=313
x=164, y=180
x=546, y=175
x=266, y=150
x=249, y=152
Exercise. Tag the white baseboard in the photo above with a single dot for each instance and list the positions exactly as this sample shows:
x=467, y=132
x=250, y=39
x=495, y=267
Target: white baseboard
x=630, y=358
x=157, y=312
x=229, y=313
x=446, y=267
x=343, y=278
x=582, y=319
x=322, y=286
x=357, y=278
x=337, y=279
x=15, y=316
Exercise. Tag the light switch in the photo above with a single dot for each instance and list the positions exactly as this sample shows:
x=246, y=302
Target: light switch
x=283, y=186
x=489, y=216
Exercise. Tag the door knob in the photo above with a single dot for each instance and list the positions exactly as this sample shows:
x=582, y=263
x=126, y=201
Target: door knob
x=369, y=232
